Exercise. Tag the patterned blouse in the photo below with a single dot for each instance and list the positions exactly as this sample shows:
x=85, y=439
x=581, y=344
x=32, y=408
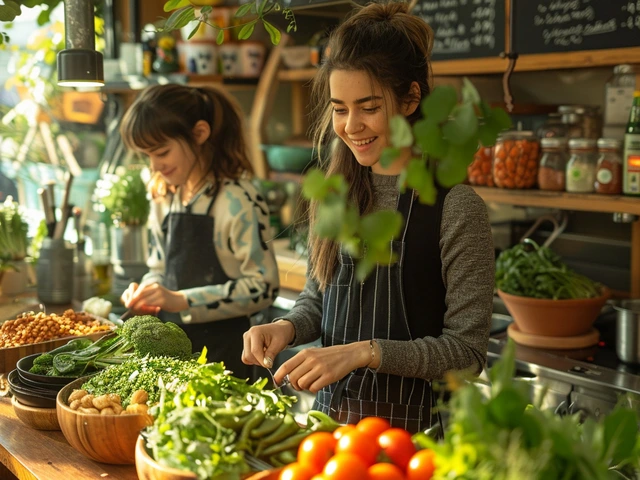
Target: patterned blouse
x=240, y=234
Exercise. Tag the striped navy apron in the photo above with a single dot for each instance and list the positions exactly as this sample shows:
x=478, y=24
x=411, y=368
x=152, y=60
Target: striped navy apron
x=402, y=301
x=191, y=261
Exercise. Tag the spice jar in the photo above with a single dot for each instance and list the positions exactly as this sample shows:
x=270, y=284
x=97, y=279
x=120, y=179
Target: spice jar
x=515, y=160
x=609, y=167
x=571, y=120
x=581, y=168
x=552, y=127
x=480, y=172
x=553, y=164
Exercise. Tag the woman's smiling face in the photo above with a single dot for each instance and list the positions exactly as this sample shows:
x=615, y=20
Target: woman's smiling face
x=361, y=114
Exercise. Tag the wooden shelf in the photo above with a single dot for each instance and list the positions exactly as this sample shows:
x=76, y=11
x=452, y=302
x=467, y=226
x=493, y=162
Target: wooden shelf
x=563, y=200
x=525, y=63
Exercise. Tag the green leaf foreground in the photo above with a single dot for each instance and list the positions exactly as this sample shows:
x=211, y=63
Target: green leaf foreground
x=443, y=144
x=183, y=12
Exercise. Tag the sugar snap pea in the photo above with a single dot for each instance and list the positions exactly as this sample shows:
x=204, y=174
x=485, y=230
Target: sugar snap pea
x=287, y=444
x=269, y=425
x=288, y=456
x=254, y=420
x=289, y=427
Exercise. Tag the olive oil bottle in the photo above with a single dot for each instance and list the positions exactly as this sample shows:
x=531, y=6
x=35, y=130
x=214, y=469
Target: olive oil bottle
x=631, y=156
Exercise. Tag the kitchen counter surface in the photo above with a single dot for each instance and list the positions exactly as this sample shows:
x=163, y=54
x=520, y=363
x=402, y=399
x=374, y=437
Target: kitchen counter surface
x=30, y=454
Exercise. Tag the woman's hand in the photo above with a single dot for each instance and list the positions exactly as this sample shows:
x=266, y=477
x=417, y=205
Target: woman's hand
x=314, y=368
x=263, y=342
x=142, y=297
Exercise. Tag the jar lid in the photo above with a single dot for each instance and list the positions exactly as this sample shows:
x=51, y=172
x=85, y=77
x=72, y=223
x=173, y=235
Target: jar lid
x=570, y=118
x=582, y=143
x=553, y=142
x=624, y=68
x=565, y=109
x=609, y=143
x=517, y=135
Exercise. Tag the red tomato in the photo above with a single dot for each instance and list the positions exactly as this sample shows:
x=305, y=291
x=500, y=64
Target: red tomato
x=373, y=426
x=359, y=444
x=422, y=465
x=316, y=450
x=385, y=471
x=297, y=471
x=345, y=466
x=397, y=446
x=338, y=432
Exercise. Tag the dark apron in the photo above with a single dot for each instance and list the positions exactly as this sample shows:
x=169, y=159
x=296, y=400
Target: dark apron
x=191, y=261
x=376, y=308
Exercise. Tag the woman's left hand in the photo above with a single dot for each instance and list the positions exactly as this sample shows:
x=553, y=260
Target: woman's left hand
x=155, y=295
x=314, y=368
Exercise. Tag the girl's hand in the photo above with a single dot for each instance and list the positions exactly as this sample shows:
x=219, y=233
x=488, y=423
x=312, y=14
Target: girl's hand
x=128, y=293
x=314, y=368
x=263, y=342
x=155, y=295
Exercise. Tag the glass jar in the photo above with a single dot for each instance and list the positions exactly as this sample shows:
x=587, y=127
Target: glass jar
x=553, y=127
x=581, y=168
x=571, y=120
x=609, y=167
x=619, y=94
x=480, y=172
x=553, y=164
x=515, y=160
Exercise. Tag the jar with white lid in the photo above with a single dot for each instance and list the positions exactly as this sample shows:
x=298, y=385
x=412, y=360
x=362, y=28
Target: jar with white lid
x=582, y=165
x=609, y=167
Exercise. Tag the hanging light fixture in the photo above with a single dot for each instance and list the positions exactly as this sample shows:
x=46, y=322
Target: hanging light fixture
x=79, y=65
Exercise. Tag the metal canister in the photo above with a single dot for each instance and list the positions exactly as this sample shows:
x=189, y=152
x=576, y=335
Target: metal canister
x=54, y=272
x=628, y=330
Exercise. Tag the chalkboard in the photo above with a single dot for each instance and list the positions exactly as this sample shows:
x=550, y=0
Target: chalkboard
x=464, y=28
x=546, y=26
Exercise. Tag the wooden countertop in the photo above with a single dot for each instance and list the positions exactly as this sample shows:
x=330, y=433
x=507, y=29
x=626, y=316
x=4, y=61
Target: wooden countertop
x=292, y=267
x=45, y=455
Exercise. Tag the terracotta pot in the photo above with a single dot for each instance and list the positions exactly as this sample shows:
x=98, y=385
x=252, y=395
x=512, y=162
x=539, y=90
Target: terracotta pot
x=554, y=318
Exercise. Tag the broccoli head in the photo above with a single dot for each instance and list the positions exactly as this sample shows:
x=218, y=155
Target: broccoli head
x=134, y=323
x=40, y=369
x=161, y=339
x=45, y=360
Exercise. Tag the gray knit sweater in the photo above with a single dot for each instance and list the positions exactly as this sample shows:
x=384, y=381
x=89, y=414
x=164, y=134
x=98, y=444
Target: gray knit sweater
x=467, y=256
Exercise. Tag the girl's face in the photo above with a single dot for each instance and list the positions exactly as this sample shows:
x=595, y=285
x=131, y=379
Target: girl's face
x=174, y=160
x=361, y=114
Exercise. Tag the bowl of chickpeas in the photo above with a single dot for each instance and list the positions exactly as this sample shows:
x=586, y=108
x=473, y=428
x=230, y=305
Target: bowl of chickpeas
x=33, y=332
x=100, y=427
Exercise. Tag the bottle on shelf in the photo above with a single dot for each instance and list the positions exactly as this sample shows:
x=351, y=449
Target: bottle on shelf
x=631, y=155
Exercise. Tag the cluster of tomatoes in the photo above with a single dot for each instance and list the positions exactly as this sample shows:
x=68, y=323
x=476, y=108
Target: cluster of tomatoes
x=370, y=450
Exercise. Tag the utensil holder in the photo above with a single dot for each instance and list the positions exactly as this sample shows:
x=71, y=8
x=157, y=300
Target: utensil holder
x=54, y=272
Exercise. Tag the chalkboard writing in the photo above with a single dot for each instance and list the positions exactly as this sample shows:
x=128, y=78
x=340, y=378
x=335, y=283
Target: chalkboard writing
x=545, y=26
x=464, y=28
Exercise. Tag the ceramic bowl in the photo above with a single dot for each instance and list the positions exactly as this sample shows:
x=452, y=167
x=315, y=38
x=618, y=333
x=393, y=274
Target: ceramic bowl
x=554, y=318
x=103, y=438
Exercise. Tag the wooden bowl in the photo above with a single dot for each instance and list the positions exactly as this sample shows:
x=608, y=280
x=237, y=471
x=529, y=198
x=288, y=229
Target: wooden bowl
x=148, y=469
x=38, y=418
x=554, y=318
x=103, y=438
x=9, y=356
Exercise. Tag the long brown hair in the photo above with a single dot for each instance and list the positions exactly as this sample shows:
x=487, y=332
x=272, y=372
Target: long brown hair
x=171, y=111
x=393, y=48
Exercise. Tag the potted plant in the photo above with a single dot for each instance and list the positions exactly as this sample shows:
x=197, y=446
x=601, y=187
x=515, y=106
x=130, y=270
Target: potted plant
x=13, y=249
x=128, y=208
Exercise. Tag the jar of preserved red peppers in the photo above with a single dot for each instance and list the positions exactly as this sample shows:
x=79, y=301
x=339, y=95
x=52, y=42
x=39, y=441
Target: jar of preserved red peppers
x=515, y=160
x=480, y=172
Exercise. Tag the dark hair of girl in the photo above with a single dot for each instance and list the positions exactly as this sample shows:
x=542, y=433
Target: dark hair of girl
x=163, y=112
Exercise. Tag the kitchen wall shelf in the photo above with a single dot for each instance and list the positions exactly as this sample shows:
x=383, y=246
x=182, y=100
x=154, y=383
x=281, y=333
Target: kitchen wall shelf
x=563, y=200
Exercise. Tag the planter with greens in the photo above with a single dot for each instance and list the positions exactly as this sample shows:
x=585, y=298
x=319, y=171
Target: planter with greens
x=128, y=207
x=544, y=296
x=13, y=249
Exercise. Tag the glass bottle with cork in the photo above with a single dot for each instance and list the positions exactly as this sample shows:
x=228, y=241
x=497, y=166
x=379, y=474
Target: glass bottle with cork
x=631, y=155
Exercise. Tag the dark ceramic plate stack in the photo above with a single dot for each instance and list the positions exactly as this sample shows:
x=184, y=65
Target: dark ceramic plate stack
x=35, y=390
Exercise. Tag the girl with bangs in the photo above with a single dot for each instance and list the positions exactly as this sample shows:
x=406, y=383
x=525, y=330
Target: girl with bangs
x=210, y=265
x=386, y=339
